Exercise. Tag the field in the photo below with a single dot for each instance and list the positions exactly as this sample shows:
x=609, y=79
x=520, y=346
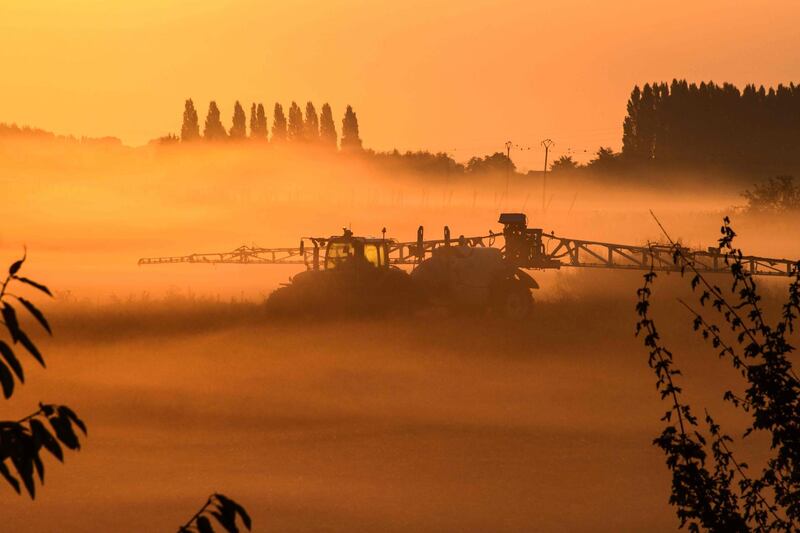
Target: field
x=423, y=423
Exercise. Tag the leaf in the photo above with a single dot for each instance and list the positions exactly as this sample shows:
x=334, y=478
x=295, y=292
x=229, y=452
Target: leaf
x=38, y=315
x=10, y=318
x=6, y=473
x=11, y=359
x=227, y=519
x=26, y=342
x=34, y=284
x=63, y=410
x=204, y=525
x=47, y=440
x=15, y=266
x=39, y=466
x=64, y=432
x=7, y=380
x=24, y=468
x=238, y=508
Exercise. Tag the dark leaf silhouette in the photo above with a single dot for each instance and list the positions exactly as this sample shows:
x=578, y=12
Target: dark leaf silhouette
x=228, y=503
x=10, y=319
x=46, y=439
x=6, y=473
x=24, y=466
x=66, y=412
x=64, y=432
x=204, y=525
x=22, y=441
x=34, y=284
x=33, y=310
x=7, y=380
x=8, y=354
x=28, y=344
x=16, y=265
x=224, y=511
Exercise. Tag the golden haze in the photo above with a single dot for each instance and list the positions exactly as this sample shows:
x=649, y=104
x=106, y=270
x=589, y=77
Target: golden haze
x=460, y=77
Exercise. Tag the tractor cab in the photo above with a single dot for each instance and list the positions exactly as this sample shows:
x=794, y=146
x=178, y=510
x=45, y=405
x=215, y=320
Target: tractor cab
x=350, y=250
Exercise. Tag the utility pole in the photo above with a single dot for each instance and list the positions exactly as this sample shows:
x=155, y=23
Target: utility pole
x=547, y=143
x=509, y=144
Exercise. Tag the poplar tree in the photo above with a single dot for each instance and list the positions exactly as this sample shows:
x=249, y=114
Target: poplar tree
x=214, y=130
x=295, y=128
x=258, y=123
x=278, y=124
x=239, y=126
x=327, y=129
x=253, y=120
x=190, y=130
x=350, y=138
x=311, y=124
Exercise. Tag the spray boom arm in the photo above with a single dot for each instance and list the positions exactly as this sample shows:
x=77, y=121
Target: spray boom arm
x=524, y=247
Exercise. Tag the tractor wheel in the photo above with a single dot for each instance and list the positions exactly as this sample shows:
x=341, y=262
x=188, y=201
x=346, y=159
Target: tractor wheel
x=514, y=301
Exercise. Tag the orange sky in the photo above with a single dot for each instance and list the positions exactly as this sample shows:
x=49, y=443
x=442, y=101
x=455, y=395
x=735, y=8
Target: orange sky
x=461, y=76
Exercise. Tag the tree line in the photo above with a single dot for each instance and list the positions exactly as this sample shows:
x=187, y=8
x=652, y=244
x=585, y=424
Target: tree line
x=310, y=128
x=685, y=124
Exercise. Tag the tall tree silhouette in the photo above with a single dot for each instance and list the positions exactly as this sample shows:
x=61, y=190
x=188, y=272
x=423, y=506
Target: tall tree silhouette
x=253, y=123
x=258, y=122
x=294, y=131
x=311, y=124
x=755, y=129
x=239, y=122
x=327, y=129
x=350, y=138
x=190, y=129
x=278, y=124
x=214, y=130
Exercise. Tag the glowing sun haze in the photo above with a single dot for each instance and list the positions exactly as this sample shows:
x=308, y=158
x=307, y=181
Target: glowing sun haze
x=463, y=76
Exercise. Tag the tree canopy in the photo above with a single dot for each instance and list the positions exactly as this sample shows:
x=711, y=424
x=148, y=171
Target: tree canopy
x=327, y=128
x=239, y=127
x=295, y=129
x=350, y=136
x=279, y=132
x=686, y=124
x=190, y=129
x=311, y=124
x=214, y=130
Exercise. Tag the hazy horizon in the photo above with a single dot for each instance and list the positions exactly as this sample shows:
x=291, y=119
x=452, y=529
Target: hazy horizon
x=482, y=72
x=473, y=376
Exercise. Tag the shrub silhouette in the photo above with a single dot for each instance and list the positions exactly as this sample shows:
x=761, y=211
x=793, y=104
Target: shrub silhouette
x=779, y=194
x=51, y=426
x=711, y=489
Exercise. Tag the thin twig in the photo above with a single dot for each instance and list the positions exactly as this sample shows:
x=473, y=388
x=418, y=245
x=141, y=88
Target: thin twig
x=196, y=515
x=716, y=335
x=744, y=476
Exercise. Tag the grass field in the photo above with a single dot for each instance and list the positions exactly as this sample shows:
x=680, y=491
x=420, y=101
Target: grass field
x=420, y=423
x=423, y=423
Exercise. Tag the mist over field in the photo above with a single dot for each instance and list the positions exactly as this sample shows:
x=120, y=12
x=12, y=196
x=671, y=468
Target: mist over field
x=87, y=213
x=424, y=423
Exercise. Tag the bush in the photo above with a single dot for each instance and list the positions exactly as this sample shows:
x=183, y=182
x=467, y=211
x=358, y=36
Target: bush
x=711, y=489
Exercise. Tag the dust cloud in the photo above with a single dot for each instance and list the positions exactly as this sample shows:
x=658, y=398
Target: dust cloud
x=419, y=423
